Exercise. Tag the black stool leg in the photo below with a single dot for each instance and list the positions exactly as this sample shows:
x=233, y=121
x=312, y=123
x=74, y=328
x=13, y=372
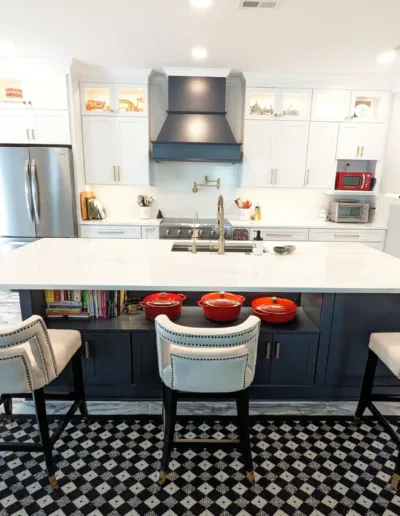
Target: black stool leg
x=367, y=386
x=6, y=399
x=43, y=426
x=78, y=382
x=242, y=404
x=170, y=403
x=396, y=475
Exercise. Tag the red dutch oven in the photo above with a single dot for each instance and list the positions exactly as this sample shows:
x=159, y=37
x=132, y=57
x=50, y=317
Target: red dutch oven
x=221, y=306
x=163, y=303
x=276, y=310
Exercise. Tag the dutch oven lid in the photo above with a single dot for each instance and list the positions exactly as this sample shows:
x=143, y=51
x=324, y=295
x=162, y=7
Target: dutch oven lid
x=162, y=299
x=222, y=299
x=276, y=305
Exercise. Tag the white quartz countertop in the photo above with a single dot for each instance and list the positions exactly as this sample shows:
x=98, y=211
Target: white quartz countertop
x=121, y=222
x=312, y=224
x=150, y=265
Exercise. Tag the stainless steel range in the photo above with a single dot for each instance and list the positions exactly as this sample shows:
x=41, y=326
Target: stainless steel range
x=206, y=229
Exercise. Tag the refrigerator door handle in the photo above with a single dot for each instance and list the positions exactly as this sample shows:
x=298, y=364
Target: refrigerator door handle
x=35, y=193
x=28, y=192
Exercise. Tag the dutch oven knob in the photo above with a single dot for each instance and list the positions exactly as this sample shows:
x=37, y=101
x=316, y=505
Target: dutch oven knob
x=275, y=299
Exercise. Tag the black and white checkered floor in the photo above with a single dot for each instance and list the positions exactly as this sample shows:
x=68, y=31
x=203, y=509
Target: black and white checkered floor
x=313, y=466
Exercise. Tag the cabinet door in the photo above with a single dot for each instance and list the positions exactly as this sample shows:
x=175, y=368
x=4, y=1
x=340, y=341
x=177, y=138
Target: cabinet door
x=321, y=156
x=261, y=103
x=370, y=106
x=289, y=153
x=257, y=154
x=131, y=99
x=51, y=127
x=373, y=141
x=294, y=356
x=132, y=136
x=264, y=355
x=97, y=99
x=331, y=105
x=150, y=232
x=295, y=104
x=14, y=127
x=108, y=358
x=99, y=150
x=46, y=92
x=145, y=362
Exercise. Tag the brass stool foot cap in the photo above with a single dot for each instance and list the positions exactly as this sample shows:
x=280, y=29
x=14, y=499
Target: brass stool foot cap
x=251, y=477
x=8, y=418
x=356, y=420
x=53, y=482
x=163, y=478
x=395, y=480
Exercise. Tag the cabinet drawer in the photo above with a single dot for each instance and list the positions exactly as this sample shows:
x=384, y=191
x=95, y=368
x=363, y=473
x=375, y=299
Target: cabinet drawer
x=150, y=232
x=281, y=234
x=347, y=235
x=111, y=232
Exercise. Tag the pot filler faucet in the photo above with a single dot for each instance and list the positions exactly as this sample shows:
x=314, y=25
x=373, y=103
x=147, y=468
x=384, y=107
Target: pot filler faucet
x=220, y=224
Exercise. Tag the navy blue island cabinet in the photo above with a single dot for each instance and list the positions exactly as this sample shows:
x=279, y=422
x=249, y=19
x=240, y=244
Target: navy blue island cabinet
x=320, y=355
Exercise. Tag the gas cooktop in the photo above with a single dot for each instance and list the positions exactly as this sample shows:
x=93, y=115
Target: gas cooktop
x=183, y=228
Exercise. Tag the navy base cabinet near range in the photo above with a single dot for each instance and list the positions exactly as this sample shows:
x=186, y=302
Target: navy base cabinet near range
x=320, y=355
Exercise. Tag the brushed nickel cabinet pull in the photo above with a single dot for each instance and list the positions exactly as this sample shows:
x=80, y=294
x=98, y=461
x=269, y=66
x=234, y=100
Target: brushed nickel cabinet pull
x=346, y=236
x=272, y=176
x=111, y=232
x=358, y=150
x=119, y=173
x=276, y=175
x=268, y=352
x=287, y=235
x=114, y=172
x=87, y=349
x=308, y=176
x=33, y=134
x=362, y=151
x=27, y=134
x=278, y=351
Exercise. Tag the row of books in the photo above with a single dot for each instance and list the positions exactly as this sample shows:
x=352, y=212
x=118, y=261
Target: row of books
x=83, y=304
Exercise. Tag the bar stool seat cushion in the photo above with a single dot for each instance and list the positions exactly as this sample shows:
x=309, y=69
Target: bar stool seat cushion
x=387, y=347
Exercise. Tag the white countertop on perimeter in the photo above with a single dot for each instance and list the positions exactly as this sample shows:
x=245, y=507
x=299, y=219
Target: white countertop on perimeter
x=311, y=224
x=121, y=222
x=150, y=265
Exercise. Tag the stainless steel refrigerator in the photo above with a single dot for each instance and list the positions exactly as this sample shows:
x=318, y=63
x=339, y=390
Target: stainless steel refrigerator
x=36, y=194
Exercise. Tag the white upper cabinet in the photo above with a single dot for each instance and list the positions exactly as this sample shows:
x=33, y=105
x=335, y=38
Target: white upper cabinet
x=370, y=106
x=274, y=154
x=353, y=106
x=132, y=136
x=257, y=170
x=46, y=92
x=114, y=99
x=50, y=127
x=361, y=141
x=13, y=127
x=99, y=150
x=289, y=153
x=321, y=156
x=331, y=105
x=270, y=103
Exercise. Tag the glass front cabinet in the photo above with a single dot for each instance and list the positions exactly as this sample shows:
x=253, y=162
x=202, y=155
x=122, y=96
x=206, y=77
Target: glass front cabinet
x=114, y=99
x=283, y=104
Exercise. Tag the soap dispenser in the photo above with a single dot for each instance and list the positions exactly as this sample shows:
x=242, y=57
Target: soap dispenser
x=258, y=245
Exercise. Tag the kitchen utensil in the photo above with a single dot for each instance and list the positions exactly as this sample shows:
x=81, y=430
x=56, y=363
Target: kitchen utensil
x=145, y=212
x=258, y=245
x=140, y=199
x=133, y=306
x=95, y=209
x=274, y=310
x=84, y=196
x=163, y=303
x=280, y=249
x=238, y=202
x=149, y=201
x=290, y=249
x=221, y=306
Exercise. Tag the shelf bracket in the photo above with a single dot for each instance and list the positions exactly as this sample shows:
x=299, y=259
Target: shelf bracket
x=207, y=182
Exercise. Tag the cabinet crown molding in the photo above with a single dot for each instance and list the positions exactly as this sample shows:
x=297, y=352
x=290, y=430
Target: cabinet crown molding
x=197, y=72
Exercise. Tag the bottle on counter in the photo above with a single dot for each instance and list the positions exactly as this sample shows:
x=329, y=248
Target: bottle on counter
x=258, y=245
x=257, y=212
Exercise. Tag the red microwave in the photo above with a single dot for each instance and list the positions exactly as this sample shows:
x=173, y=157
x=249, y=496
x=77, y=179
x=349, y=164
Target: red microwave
x=354, y=181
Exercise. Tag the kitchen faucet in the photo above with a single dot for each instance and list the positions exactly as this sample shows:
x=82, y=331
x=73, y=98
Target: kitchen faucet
x=221, y=225
x=193, y=247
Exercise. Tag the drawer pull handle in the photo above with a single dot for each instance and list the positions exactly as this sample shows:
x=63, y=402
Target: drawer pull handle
x=278, y=351
x=308, y=176
x=150, y=229
x=111, y=232
x=268, y=352
x=87, y=349
x=346, y=236
x=288, y=235
x=272, y=176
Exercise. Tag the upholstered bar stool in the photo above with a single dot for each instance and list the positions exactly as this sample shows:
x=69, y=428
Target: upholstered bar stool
x=386, y=347
x=30, y=358
x=207, y=361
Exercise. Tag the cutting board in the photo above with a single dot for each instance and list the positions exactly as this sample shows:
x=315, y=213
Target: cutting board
x=84, y=197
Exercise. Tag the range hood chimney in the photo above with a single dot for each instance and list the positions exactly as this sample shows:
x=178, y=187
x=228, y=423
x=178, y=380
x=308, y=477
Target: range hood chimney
x=196, y=128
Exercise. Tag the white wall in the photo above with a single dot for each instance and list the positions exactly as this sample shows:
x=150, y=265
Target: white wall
x=391, y=178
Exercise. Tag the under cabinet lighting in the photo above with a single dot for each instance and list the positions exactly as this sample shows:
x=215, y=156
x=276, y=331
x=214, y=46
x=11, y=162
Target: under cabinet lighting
x=199, y=53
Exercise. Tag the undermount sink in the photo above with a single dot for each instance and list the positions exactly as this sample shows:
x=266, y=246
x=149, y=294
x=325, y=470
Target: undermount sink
x=203, y=247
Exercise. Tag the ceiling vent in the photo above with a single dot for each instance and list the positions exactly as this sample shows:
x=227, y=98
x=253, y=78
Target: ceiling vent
x=260, y=4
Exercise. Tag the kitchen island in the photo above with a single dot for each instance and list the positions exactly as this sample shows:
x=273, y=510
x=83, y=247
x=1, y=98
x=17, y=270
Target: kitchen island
x=344, y=292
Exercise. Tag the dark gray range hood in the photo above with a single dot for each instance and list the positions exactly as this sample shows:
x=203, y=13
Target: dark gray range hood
x=196, y=128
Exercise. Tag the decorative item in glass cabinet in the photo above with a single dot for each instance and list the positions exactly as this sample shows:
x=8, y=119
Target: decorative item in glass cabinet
x=13, y=95
x=97, y=105
x=256, y=109
x=362, y=109
x=128, y=106
x=291, y=111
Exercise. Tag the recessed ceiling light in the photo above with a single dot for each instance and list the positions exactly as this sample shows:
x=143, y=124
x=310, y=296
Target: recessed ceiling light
x=386, y=57
x=201, y=4
x=199, y=53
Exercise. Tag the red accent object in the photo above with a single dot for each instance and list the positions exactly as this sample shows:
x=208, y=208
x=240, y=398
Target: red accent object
x=221, y=306
x=344, y=178
x=163, y=303
x=274, y=310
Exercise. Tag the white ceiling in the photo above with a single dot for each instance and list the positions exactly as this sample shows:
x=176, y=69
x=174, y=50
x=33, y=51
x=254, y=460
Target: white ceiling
x=304, y=36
